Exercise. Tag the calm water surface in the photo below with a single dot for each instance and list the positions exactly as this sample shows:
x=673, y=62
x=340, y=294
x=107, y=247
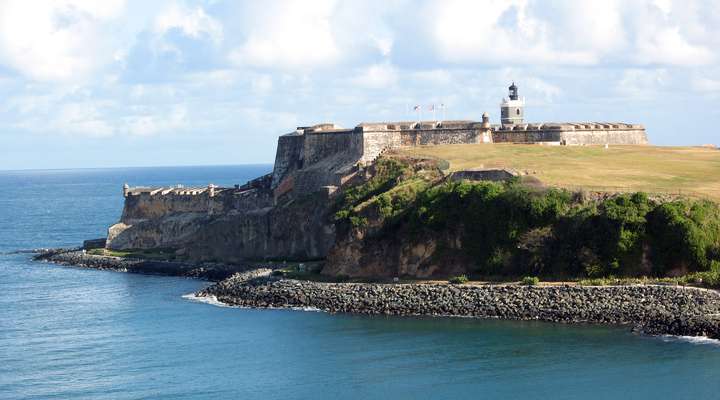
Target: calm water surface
x=70, y=333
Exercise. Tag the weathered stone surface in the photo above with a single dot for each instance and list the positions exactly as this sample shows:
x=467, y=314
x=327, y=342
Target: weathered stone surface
x=78, y=258
x=94, y=244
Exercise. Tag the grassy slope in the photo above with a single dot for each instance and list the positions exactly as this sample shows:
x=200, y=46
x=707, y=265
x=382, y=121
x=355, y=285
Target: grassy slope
x=692, y=171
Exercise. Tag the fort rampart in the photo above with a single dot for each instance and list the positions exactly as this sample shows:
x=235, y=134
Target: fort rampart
x=324, y=148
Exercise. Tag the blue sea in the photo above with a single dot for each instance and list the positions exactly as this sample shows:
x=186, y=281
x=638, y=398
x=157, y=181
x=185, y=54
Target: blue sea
x=71, y=333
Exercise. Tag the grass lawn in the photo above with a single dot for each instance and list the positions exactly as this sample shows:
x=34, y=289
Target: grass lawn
x=690, y=171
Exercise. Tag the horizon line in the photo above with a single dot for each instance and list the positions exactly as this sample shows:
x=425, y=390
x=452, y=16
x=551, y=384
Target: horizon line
x=134, y=167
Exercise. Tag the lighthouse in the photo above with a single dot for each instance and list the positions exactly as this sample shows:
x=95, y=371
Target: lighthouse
x=512, y=108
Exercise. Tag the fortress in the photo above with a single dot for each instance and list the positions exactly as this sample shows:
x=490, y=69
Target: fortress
x=317, y=160
x=333, y=148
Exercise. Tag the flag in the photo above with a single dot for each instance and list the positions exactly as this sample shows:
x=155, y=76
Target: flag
x=416, y=108
x=431, y=107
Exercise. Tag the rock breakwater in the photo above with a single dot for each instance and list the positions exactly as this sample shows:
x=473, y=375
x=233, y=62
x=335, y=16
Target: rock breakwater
x=76, y=257
x=653, y=309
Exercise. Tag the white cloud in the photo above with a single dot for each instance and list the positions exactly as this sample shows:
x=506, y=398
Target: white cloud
x=56, y=40
x=593, y=25
x=547, y=90
x=377, y=76
x=667, y=46
x=433, y=77
x=642, y=83
x=289, y=35
x=262, y=84
x=493, y=32
x=664, y=5
x=384, y=44
x=192, y=22
x=259, y=117
x=82, y=118
x=565, y=32
x=174, y=119
x=708, y=85
x=222, y=79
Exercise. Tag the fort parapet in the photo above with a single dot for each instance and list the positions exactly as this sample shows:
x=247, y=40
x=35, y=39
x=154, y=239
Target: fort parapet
x=323, y=155
x=147, y=203
x=327, y=153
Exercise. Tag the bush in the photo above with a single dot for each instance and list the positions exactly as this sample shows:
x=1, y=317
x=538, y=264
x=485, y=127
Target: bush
x=594, y=282
x=509, y=229
x=277, y=272
x=530, y=280
x=684, y=234
x=705, y=278
x=387, y=174
x=458, y=280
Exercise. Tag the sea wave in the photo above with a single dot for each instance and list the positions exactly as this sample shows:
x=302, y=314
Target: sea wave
x=212, y=300
x=700, y=340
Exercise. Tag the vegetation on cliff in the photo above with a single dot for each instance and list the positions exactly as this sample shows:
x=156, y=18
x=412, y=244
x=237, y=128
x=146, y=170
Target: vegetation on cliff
x=391, y=190
x=509, y=229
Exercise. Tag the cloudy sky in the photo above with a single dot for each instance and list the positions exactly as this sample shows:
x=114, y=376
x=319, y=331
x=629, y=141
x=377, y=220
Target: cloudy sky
x=138, y=83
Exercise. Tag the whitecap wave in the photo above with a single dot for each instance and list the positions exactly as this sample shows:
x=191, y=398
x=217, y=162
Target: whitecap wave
x=310, y=309
x=212, y=300
x=691, y=339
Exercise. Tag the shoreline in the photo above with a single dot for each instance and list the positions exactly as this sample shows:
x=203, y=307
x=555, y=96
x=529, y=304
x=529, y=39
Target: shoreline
x=76, y=257
x=651, y=309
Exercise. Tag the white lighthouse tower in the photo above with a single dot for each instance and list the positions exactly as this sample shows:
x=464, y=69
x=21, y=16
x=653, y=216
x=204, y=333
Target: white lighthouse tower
x=512, y=109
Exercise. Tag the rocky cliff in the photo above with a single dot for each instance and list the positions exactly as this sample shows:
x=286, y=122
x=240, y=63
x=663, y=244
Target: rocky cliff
x=402, y=217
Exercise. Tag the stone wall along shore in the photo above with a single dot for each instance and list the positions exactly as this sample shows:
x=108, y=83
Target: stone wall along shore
x=653, y=309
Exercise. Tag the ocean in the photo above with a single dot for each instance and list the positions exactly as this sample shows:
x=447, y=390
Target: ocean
x=72, y=333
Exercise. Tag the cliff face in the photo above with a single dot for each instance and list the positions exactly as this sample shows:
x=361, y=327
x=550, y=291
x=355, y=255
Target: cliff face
x=399, y=256
x=373, y=241
x=401, y=217
x=296, y=229
x=299, y=230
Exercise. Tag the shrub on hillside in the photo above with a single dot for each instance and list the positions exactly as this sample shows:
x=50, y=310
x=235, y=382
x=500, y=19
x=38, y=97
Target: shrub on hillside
x=458, y=280
x=509, y=229
x=530, y=280
x=684, y=234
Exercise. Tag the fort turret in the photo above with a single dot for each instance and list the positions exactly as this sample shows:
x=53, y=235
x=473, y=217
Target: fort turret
x=512, y=108
x=485, y=121
x=126, y=190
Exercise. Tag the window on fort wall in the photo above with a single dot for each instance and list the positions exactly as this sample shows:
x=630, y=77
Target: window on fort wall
x=518, y=111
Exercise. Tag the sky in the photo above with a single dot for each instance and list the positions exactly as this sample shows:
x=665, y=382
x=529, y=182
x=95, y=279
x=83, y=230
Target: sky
x=111, y=83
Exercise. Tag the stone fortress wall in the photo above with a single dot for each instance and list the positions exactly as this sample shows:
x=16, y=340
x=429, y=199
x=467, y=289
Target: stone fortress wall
x=143, y=203
x=338, y=148
x=323, y=157
x=585, y=133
